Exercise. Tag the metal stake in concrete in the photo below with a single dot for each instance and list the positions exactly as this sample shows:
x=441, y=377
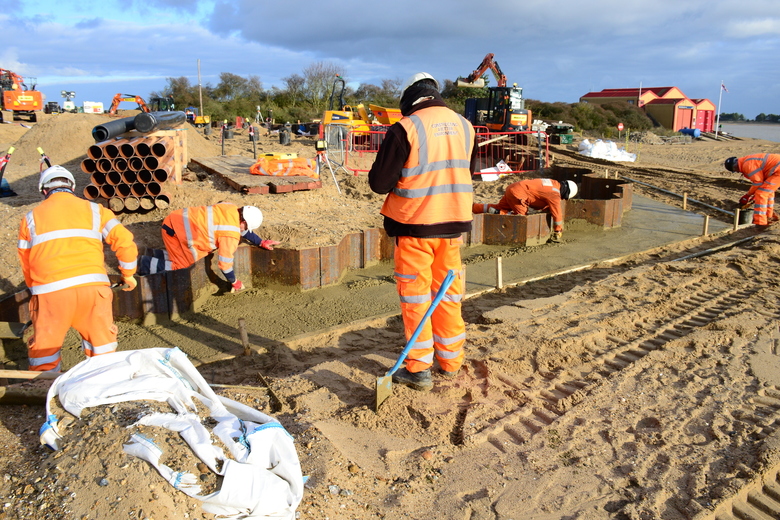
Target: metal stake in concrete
x=706, y=229
x=244, y=337
x=499, y=274
x=685, y=201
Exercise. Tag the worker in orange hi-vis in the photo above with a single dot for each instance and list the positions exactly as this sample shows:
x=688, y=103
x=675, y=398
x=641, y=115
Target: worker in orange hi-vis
x=61, y=251
x=192, y=233
x=538, y=194
x=424, y=166
x=763, y=171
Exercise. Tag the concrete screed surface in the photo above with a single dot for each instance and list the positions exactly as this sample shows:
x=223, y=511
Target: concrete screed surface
x=273, y=315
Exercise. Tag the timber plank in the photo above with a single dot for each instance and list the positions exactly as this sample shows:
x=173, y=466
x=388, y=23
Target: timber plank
x=234, y=170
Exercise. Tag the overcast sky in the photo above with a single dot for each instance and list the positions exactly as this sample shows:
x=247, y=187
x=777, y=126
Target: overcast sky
x=555, y=50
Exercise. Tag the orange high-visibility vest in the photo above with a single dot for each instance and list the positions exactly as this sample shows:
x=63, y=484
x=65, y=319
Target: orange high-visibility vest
x=61, y=244
x=206, y=228
x=763, y=172
x=435, y=185
x=759, y=167
x=538, y=194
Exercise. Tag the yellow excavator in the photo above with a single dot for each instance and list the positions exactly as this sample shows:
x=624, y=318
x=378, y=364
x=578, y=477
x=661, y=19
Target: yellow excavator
x=357, y=118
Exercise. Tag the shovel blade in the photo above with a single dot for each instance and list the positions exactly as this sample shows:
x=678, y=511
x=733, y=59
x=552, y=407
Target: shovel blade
x=384, y=389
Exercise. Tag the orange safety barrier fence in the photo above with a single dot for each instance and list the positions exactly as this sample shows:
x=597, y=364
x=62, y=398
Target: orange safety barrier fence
x=520, y=151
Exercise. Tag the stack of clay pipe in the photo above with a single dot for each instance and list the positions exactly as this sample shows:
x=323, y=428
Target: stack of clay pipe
x=129, y=173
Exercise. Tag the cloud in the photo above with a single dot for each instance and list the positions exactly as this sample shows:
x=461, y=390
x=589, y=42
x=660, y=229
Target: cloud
x=753, y=28
x=555, y=51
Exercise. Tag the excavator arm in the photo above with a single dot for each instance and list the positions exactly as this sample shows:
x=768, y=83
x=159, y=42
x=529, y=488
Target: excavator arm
x=127, y=97
x=475, y=78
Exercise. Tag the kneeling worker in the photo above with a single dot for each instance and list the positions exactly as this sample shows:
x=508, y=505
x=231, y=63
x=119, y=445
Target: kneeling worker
x=190, y=234
x=61, y=251
x=763, y=171
x=538, y=194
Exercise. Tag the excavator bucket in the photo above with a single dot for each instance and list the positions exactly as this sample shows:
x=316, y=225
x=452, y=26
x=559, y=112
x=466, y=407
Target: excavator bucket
x=477, y=83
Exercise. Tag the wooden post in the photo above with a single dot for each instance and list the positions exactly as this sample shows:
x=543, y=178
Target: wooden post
x=244, y=337
x=705, y=230
x=685, y=201
x=499, y=274
x=736, y=219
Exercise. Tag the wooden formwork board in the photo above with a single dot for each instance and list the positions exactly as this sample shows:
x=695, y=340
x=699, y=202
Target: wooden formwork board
x=179, y=158
x=234, y=169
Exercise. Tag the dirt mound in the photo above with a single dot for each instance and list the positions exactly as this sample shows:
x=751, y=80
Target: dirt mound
x=305, y=218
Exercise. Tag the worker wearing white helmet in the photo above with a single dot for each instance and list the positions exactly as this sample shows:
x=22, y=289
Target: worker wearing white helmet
x=424, y=166
x=190, y=234
x=539, y=194
x=61, y=251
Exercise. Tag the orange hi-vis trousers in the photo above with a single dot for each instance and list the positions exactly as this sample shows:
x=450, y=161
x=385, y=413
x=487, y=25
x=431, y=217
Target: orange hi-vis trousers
x=764, y=201
x=86, y=308
x=421, y=264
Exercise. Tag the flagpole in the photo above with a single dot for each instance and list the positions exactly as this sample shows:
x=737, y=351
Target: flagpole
x=720, y=97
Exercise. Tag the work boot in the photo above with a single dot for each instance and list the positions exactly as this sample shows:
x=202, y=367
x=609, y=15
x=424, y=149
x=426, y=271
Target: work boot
x=449, y=374
x=417, y=380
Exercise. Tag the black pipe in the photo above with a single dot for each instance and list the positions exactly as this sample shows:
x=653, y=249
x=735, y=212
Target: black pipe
x=112, y=129
x=152, y=121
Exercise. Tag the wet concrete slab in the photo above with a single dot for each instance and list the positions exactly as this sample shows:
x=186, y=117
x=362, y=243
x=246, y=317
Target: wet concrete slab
x=648, y=225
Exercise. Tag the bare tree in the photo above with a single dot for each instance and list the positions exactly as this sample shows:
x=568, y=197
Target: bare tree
x=295, y=84
x=319, y=80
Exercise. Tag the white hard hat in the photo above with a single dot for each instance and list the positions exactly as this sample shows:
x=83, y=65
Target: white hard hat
x=572, y=189
x=252, y=216
x=415, y=78
x=57, y=172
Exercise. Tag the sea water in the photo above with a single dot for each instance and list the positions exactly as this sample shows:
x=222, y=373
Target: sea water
x=768, y=131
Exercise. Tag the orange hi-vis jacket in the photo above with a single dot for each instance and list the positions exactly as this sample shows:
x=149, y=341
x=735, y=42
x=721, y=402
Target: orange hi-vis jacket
x=539, y=194
x=435, y=184
x=61, y=244
x=763, y=171
x=202, y=229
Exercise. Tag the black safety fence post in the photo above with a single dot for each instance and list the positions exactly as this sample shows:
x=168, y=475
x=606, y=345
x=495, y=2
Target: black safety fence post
x=222, y=135
x=253, y=138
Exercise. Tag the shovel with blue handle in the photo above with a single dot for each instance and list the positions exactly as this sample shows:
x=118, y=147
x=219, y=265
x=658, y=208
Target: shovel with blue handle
x=384, y=384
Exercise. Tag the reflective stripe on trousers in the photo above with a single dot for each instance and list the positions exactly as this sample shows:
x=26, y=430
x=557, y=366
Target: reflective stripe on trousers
x=420, y=266
x=87, y=309
x=764, y=201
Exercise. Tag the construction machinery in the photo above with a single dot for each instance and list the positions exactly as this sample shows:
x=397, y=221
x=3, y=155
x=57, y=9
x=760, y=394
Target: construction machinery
x=68, y=105
x=195, y=119
x=356, y=118
x=156, y=104
x=18, y=100
x=127, y=97
x=504, y=108
x=162, y=104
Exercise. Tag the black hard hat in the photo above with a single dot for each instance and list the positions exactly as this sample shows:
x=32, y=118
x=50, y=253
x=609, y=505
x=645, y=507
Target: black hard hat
x=731, y=164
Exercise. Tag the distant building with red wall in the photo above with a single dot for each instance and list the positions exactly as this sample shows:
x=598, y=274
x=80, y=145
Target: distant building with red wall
x=667, y=106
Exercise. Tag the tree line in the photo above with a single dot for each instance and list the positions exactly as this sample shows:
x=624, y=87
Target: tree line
x=760, y=118
x=305, y=97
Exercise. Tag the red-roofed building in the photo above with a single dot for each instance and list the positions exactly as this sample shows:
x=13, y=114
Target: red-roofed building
x=668, y=106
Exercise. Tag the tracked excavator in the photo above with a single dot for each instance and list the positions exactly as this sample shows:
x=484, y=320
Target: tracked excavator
x=18, y=100
x=158, y=104
x=504, y=108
